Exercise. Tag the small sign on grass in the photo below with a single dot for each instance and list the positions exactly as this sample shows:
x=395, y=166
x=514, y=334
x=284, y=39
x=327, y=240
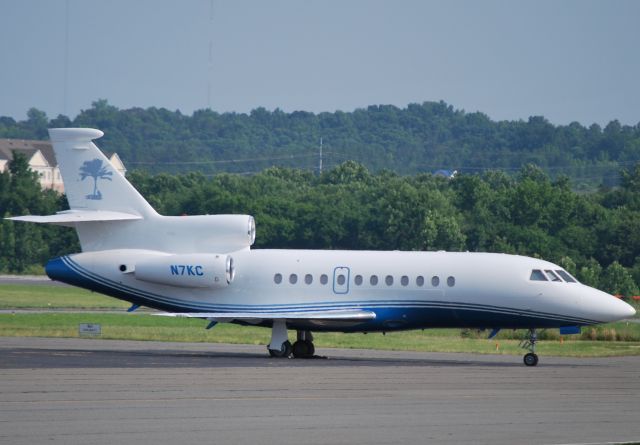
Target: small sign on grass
x=89, y=329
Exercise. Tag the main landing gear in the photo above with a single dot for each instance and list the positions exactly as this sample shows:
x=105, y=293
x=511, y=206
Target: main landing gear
x=303, y=347
x=281, y=347
x=531, y=358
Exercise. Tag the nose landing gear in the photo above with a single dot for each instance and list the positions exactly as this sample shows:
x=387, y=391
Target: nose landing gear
x=531, y=358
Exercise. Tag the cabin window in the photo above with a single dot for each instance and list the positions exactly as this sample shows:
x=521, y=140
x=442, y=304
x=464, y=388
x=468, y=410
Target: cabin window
x=324, y=279
x=552, y=276
x=451, y=281
x=420, y=281
x=435, y=281
x=537, y=275
x=293, y=278
x=358, y=280
x=308, y=278
x=341, y=280
x=373, y=280
x=277, y=278
x=568, y=278
x=404, y=280
x=389, y=280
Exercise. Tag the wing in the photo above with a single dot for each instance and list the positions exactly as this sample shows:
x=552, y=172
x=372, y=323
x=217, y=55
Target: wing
x=346, y=315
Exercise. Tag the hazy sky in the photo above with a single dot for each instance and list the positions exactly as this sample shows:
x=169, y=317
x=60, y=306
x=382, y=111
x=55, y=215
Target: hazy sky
x=571, y=60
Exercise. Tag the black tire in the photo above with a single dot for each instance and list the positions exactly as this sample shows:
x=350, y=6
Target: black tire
x=311, y=348
x=530, y=359
x=303, y=349
x=283, y=352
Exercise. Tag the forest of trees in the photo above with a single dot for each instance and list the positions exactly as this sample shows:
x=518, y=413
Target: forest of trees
x=416, y=139
x=595, y=236
x=376, y=191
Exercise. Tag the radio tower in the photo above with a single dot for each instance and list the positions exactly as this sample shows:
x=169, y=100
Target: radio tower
x=210, y=66
x=320, y=164
x=65, y=86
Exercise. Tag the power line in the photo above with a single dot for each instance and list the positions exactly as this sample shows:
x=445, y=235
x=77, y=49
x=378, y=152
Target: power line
x=222, y=161
x=576, y=173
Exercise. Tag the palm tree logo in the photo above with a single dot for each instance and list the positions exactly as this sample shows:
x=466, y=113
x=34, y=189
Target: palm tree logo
x=96, y=170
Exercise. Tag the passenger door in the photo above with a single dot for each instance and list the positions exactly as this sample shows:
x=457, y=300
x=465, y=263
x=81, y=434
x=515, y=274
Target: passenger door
x=341, y=280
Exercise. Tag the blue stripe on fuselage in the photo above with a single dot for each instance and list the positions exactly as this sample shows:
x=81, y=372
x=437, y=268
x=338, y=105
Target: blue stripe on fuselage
x=390, y=315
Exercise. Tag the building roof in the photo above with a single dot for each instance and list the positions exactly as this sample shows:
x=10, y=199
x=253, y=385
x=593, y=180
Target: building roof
x=29, y=148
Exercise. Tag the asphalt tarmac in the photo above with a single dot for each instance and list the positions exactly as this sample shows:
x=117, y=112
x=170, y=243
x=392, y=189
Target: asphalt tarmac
x=83, y=391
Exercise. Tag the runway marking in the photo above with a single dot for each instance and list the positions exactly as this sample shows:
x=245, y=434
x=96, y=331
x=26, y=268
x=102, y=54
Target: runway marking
x=199, y=399
x=633, y=442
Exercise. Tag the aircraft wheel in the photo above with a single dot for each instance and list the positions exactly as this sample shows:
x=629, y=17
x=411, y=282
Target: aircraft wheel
x=530, y=359
x=303, y=349
x=283, y=352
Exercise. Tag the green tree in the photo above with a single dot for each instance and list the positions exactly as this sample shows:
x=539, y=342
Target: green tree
x=590, y=273
x=617, y=280
x=36, y=124
x=22, y=243
x=568, y=264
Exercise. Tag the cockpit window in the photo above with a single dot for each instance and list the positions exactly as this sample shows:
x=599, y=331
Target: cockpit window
x=568, y=278
x=537, y=275
x=552, y=276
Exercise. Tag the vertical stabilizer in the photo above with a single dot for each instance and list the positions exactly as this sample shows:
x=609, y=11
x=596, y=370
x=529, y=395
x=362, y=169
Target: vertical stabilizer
x=90, y=181
x=108, y=213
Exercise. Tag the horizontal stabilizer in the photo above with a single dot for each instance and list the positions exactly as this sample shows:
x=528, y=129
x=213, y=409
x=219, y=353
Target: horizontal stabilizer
x=347, y=314
x=77, y=216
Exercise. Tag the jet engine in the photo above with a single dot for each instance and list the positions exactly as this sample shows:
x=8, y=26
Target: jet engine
x=187, y=270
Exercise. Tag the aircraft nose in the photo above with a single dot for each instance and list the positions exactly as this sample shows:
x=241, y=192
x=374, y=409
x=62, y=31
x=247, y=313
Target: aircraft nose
x=601, y=306
x=619, y=310
x=630, y=311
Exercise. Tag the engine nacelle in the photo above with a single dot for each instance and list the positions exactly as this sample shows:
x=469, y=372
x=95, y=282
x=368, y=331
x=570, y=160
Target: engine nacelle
x=187, y=270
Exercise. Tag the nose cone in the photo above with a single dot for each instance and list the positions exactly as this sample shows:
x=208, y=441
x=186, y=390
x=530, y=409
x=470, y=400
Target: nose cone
x=627, y=310
x=614, y=309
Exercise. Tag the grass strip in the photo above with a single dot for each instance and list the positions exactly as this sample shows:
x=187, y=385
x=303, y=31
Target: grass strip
x=35, y=296
x=148, y=327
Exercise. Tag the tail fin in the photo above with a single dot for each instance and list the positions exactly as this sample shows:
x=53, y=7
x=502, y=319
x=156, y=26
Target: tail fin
x=90, y=181
x=101, y=200
x=108, y=213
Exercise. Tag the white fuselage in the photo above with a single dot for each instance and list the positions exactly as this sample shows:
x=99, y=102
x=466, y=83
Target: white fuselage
x=406, y=290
